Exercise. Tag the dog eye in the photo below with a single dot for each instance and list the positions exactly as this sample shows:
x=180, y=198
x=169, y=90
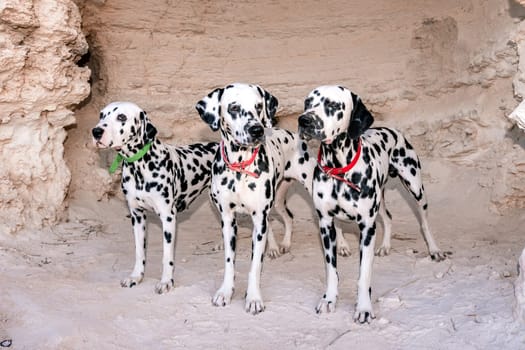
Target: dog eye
x=258, y=108
x=234, y=108
x=122, y=117
x=333, y=105
x=308, y=103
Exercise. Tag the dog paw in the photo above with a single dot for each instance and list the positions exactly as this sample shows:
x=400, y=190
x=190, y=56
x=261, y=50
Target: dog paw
x=343, y=250
x=131, y=281
x=164, y=287
x=254, y=306
x=284, y=247
x=222, y=297
x=438, y=255
x=254, y=303
x=326, y=305
x=382, y=251
x=273, y=252
x=364, y=316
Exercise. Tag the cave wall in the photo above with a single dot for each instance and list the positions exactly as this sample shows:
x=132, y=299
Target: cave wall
x=446, y=73
x=443, y=72
x=167, y=54
x=40, y=41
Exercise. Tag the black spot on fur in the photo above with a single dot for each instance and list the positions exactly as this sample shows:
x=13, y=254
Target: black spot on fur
x=268, y=189
x=371, y=232
x=233, y=242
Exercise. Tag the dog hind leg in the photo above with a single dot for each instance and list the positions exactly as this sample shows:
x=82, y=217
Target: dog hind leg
x=286, y=215
x=343, y=248
x=409, y=172
x=386, y=218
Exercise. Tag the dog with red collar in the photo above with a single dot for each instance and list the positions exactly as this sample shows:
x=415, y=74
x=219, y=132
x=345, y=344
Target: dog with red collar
x=251, y=174
x=355, y=162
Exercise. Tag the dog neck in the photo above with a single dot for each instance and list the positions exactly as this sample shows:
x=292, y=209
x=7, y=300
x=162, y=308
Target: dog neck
x=240, y=166
x=238, y=153
x=340, y=152
x=130, y=149
x=240, y=159
x=131, y=159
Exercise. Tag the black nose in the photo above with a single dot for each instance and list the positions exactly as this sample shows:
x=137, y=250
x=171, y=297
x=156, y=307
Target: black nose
x=305, y=121
x=97, y=133
x=256, y=131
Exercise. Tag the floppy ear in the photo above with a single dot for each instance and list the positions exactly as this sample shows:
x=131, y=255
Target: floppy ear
x=149, y=130
x=270, y=106
x=209, y=108
x=360, y=119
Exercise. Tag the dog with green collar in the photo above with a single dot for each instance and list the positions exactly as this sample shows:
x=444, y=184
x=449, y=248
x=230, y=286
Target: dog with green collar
x=156, y=177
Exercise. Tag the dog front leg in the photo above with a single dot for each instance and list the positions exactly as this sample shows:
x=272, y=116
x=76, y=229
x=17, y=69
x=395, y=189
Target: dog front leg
x=364, y=312
x=138, y=221
x=254, y=302
x=168, y=227
x=224, y=294
x=328, y=239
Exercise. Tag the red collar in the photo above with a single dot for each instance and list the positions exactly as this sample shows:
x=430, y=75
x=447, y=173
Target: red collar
x=241, y=166
x=335, y=172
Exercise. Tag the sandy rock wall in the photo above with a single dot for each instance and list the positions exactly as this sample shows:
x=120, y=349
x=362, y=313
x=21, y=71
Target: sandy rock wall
x=444, y=72
x=167, y=54
x=40, y=41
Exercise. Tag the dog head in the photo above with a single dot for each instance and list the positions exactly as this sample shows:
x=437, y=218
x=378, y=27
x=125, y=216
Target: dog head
x=240, y=111
x=333, y=111
x=122, y=124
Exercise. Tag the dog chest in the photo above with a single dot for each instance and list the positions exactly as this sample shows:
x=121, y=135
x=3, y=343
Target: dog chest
x=244, y=194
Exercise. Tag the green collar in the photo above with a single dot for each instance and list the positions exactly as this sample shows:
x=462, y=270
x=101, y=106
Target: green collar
x=119, y=158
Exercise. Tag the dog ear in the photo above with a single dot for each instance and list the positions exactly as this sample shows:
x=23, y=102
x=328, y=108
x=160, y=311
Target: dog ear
x=149, y=130
x=270, y=106
x=360, y=119
x=209, y=108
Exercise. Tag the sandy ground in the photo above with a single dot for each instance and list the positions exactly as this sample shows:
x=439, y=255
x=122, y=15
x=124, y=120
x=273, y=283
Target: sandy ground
x=60, y=288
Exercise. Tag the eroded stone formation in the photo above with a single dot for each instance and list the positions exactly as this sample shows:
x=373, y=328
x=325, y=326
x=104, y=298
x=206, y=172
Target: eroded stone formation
x=445, y=73
x=40, y=82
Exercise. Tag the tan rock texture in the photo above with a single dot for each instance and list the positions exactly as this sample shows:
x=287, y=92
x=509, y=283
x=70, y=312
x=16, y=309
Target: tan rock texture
x=447, y=73
x=40, y=41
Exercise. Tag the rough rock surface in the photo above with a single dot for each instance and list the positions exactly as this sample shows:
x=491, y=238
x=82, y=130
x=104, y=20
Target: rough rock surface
x=40, y=41
x=519, y=289
x=518, y=115
x=447, y=73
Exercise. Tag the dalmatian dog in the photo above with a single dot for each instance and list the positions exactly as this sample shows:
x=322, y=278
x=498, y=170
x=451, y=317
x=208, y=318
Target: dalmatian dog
x=155, y=176
x=251, y=172
x=355, y=162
